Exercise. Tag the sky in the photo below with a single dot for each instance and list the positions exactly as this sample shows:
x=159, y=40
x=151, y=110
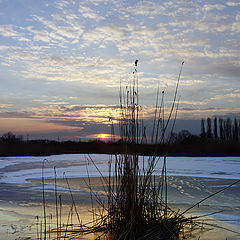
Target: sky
x=61, y=62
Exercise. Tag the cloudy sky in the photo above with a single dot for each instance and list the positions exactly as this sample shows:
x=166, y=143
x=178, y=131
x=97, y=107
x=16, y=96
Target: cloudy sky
x=61, y=61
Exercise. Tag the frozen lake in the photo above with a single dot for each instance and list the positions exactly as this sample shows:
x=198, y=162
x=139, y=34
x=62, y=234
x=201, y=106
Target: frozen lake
x=18, y=169
x=193, y=178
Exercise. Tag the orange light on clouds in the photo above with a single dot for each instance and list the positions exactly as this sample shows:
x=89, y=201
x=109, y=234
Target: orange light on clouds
x=20, y=125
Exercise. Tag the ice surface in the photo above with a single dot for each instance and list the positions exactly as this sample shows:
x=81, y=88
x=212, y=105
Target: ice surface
x=17, y=170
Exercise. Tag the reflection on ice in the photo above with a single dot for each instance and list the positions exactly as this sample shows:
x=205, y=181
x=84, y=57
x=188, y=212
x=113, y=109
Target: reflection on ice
x=230, y=218
x=182, y=190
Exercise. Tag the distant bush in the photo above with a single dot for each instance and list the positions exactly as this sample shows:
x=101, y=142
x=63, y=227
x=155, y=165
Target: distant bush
x=9, y=137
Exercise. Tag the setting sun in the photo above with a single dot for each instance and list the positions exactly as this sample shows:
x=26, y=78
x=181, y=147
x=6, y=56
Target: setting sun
x=104, y=135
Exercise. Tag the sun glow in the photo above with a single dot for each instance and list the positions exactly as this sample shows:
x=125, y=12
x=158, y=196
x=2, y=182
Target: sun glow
x=104, y=136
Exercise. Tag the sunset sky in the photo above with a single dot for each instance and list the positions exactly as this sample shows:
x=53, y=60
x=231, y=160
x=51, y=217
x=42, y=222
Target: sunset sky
x=61, y=62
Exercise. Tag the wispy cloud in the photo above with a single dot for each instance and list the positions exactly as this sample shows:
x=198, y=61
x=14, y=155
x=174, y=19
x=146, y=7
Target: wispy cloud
x=87, y=12
x=8, y=31
x=233, y=4
x=210, y=7
x=146, y=8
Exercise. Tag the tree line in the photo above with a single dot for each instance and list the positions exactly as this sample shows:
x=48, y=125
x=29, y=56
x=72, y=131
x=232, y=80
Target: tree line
x=10, y=137
x=220, y=129
x=217, y=129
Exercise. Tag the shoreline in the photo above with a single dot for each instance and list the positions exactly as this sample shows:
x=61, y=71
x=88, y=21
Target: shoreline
x=194, y=148
x=109, y=153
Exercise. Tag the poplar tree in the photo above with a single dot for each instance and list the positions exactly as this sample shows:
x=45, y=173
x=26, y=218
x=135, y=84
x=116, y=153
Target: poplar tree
x=215, y=128
x=203, y=133
x=221, y=129
x=235, y=130
x=228, y=129
x=209, y=128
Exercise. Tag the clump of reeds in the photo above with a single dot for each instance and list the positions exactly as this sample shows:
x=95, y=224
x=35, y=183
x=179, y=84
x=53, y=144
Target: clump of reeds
x=137, y=202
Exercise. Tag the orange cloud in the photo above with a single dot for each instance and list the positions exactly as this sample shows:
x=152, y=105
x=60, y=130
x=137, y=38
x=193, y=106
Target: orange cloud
x=19, y=125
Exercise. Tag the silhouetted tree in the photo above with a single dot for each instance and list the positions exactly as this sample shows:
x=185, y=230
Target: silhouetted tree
x=215, y=131
x=209, y=128
x=203, y=133
x=238, y=130
x=235, y=130
x=228, y=129
x=183, y=135
x=221, y=135
x=9, y=137
x=173, y=137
